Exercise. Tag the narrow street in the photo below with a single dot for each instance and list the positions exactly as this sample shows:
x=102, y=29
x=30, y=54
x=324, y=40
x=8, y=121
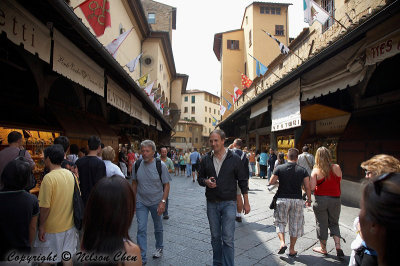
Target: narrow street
x=187, y=235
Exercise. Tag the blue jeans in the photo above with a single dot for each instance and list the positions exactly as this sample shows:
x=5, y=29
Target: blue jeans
x=221, y=217
x=188, y=169
x=269, y=173
x=142, y=214
x=253, y=169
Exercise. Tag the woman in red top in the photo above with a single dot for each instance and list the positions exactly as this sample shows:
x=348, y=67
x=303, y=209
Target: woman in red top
x=325, y=182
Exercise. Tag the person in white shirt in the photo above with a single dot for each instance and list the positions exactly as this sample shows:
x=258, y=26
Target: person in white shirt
x=111, y=168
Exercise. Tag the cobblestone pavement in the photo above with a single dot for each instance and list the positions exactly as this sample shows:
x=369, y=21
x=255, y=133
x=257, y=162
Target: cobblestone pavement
x=187, y=234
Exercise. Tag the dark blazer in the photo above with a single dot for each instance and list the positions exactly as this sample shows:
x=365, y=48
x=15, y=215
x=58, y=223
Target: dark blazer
x=231, y=174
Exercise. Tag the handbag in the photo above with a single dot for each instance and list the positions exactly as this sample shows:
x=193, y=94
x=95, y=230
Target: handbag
x=78, y=206
x=272, y=206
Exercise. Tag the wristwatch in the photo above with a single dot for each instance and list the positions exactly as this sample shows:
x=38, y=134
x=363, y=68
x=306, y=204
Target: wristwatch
x=163, y=200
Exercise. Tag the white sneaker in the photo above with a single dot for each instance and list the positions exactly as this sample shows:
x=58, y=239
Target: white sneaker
x=158, y=253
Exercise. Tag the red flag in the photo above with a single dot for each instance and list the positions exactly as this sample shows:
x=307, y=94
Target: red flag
x=246, y=82
x=97, y=13
x=237, y=92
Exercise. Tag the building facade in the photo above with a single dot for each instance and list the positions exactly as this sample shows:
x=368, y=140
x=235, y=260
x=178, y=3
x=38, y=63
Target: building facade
x=235, y=49
x=188, y=135
x=337, y=93
x=201, y=107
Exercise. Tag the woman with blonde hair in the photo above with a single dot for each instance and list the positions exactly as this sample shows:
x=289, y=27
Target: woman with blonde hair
x=108, y=156
x=325, y=182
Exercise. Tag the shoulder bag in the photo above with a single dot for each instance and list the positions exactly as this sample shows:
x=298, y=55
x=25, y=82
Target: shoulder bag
x=78, y=206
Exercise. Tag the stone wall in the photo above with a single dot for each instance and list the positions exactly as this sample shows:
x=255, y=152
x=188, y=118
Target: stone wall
x=163, y=15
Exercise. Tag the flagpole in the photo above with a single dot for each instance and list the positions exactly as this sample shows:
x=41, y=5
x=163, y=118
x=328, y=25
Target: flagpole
x=338, y=22
x=80, y=4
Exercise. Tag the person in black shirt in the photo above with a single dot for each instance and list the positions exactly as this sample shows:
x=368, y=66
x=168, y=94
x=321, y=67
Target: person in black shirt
x=19, y=210
x=290, y=203
x=271, y=163
x=91, y=168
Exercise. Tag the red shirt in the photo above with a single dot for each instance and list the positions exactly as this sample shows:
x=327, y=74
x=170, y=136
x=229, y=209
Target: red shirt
x=328, y=186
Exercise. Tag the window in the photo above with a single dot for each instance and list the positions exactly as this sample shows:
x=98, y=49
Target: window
x=205, y=118
x=233, y=45
x=209, y=110
x=190, y=129
x=278, y=10
x=245, y=68
x=186, y=98
x=264, y=10
x=215, y=111
x=328, y=5
x=196, y=140
x=186, y=110
x=272, y=10
x=279, y=30
x=190, y=140
x=152, y=18
x=193, y=99
x=218, y=112
x=250, y=38
x=209, y=130
x=185, y=118
x=209, y=120
x=205, y=108
x=193, y=109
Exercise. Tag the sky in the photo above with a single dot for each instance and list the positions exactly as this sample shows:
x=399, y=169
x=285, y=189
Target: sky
x=196, y=24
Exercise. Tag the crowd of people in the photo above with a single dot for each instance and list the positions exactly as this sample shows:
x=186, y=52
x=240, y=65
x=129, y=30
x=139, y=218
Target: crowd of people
x=45, y=224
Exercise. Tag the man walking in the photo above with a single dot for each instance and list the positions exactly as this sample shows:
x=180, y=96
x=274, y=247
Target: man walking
x=271, y=163
x=194, y=159
x=188, y=164
x=57, y=233
x=90, y=168
x=150, y=182
x=307, y=161
x=170, y=166
x=289, y=204
x=237, y=146
x=220, y=172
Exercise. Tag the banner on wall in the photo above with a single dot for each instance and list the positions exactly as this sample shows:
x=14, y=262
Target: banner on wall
x=118, y=97
x=75, y=65
x=23, y=28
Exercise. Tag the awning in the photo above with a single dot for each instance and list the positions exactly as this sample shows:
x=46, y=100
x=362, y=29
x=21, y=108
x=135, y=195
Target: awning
x=159, y=128
x=136, y=107
x=118, y=97
x=318, y=112
x=343, y=70
x=72, y=63
x=383, y=48
x=23, y=28
x=145, y=117
x=259, y=108
x=152, y=121
x=286, y=107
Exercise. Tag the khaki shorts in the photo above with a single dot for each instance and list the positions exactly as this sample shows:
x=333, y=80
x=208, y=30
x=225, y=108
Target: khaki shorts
x=289, y=210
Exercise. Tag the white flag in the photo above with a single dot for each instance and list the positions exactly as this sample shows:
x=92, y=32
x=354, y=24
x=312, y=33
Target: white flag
x=113, y=46
x=222, y=109
x=133, y=63
x=151, y=96
x=313, y=12
x=148, y=88
x=318, y=13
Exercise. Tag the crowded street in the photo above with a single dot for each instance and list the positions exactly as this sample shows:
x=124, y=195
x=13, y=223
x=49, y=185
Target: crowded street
x=187, y=234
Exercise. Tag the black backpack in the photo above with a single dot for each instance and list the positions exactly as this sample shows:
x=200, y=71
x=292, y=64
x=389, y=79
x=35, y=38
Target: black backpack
x=158, y=166
x=32, y=181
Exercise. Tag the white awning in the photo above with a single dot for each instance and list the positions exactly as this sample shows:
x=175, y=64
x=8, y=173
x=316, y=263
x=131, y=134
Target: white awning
x=259, y=108
x=343, y=70
x=72, y=63
x=159, y=128
x=145, y=117
x=117, y=97
x=152, y=121
x=136, y=107
x=23, y=28
x=285, y=111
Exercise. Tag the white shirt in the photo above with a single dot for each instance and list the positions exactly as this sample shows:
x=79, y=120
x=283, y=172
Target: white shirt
x=218, y=163
x=112, y=169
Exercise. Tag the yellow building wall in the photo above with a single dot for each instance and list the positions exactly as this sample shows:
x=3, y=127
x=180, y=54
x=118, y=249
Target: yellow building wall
x=120, y=14
x=176, y=96
x=247, y=26
x=232, y=66
x=264, y=48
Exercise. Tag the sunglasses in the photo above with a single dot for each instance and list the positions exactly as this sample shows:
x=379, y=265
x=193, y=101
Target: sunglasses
x=378, y=182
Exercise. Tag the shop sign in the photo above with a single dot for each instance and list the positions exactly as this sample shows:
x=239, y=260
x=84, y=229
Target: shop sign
x=136, y=108
x=117, y=97
x=72, y=63
x=334, y=125
x=386, y=47
x=289, y=122
x=23, y=28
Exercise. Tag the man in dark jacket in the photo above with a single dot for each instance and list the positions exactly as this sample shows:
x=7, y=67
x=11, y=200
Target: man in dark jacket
x=237, y=148
x=221, y=171
x=271, y=163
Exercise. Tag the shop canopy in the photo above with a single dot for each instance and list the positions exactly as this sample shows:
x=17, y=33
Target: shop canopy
x=259, y=108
